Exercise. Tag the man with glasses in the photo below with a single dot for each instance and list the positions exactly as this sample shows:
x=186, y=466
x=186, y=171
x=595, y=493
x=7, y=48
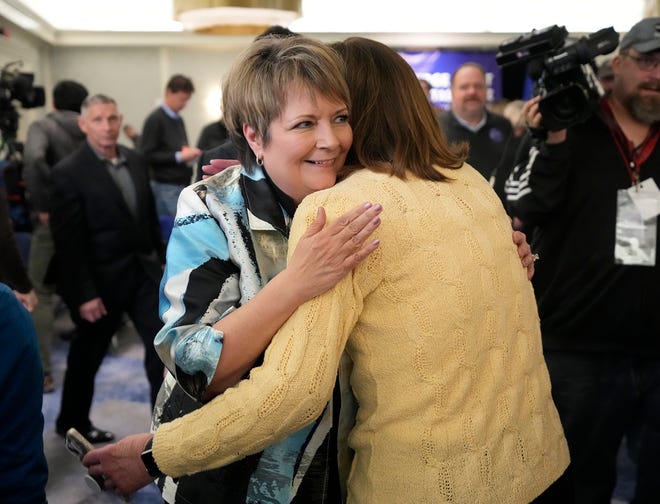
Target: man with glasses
x=644, y=61
x=591, y=191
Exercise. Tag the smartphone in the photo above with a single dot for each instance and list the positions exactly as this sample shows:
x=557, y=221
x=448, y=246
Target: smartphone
x=76, y=443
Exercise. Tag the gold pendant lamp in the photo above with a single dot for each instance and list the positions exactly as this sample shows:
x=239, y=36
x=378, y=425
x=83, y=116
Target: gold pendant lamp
x=235, y=17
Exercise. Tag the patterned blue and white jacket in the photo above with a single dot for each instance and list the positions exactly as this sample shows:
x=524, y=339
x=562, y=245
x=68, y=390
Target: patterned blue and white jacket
x=230, y=237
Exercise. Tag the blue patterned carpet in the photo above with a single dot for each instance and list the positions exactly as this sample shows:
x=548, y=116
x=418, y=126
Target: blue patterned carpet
x=121, y=405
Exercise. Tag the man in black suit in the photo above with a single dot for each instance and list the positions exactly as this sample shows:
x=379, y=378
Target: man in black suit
x=109, y=256
x=225, y=150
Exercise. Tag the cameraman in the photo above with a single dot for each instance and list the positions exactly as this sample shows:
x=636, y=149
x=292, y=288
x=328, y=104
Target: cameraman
x=598, y=281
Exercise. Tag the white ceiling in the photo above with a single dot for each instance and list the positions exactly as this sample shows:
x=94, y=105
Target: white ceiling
x=354, y=16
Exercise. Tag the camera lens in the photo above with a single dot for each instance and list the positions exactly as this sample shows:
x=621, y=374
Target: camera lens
x=565, y=106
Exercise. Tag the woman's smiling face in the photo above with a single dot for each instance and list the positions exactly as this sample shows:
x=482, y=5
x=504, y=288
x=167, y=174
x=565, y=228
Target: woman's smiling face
x=308, y=143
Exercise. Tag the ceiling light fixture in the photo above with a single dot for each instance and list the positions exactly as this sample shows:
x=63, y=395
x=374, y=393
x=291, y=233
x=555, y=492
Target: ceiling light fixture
x=235, y=17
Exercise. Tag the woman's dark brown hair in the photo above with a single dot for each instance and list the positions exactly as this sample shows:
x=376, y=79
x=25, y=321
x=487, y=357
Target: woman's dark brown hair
x=395, y=129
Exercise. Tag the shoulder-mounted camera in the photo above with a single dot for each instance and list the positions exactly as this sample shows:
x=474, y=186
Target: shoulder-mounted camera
x=16, y=86
x=564, y=73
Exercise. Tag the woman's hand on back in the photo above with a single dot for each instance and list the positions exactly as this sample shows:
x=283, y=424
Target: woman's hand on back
x=527, y=258
x=325, y=254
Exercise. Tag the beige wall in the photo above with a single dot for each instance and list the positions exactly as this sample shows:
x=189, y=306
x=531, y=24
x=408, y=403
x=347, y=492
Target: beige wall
x=652, y=8
x=134, y=75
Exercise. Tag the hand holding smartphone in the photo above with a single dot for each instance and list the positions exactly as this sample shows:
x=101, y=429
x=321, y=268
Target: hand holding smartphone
x=76, y=443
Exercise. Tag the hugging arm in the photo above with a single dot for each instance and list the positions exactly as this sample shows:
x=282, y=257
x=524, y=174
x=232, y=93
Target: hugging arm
x=320, y=259
x=210, y=340
x=289, y=390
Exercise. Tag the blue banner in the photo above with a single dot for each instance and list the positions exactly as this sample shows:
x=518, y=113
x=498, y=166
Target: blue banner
x=436, y=67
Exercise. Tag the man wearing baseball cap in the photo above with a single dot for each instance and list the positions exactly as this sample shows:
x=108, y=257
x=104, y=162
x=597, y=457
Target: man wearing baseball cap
x=644, y=37
x=592, y=192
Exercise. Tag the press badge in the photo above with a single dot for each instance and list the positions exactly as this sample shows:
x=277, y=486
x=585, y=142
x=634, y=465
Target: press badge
x=646, y=198
x=636, y=224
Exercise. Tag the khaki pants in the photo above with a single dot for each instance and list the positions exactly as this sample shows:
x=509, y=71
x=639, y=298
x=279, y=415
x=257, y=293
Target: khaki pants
x=41, y=253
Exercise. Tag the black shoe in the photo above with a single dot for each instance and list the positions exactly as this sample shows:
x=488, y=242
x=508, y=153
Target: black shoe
x=68, y=335
x=93, y=435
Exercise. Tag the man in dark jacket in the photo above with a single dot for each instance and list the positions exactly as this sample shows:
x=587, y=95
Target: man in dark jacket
x=470, y=121
x=48, y=141
x=109, y=256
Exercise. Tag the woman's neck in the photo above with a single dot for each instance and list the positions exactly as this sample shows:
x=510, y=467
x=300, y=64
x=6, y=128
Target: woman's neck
x=283, y=199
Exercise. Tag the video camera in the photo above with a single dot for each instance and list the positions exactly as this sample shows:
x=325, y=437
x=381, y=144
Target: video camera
x=15, y=86
x=18, y=86
x=564, y=74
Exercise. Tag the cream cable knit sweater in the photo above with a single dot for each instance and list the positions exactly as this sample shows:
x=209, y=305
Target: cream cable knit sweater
x=441, y=324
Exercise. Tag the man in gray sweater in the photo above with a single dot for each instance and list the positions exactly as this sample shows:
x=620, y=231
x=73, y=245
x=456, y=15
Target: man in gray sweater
x=164, y=143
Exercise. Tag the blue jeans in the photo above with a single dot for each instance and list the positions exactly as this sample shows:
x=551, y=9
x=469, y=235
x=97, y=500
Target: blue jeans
x=166, y=196
x=599, y=398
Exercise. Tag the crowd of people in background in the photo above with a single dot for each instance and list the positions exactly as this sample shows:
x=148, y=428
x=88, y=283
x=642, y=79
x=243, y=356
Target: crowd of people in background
x=286, y=319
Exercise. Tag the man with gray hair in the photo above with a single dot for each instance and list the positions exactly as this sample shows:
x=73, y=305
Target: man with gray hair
x=108, y=256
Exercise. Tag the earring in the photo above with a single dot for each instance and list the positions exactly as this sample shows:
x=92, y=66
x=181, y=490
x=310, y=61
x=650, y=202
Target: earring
x=260, y=161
